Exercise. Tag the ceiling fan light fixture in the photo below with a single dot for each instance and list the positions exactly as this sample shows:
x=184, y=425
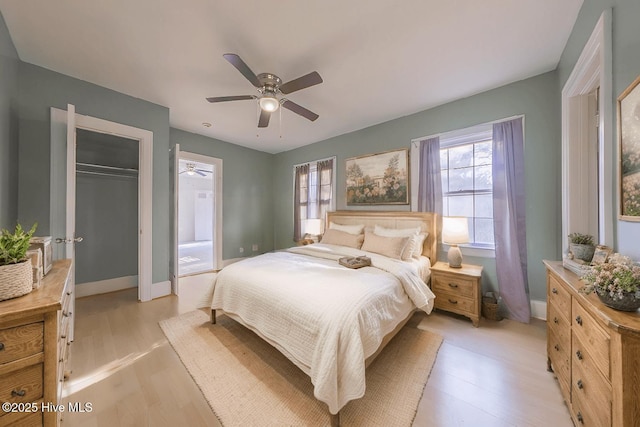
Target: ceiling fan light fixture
x=269, y=103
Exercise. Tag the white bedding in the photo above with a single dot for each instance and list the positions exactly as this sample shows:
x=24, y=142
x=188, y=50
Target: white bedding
x=327, y=319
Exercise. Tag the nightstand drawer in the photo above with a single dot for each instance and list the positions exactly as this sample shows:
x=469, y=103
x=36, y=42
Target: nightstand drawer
x=21, y=341
x=452, y=284
x=455, y=303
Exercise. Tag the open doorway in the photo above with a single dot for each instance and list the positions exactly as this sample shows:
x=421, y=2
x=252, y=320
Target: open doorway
x=198, y=217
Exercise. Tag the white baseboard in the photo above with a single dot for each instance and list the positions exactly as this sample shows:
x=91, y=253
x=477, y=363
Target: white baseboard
x=539, y=309
x=161, y=289
x=105, y=286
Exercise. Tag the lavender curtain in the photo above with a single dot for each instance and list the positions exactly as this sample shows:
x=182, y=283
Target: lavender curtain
x=300, y=197
x=430, y=182
x=509, y=217
x=325, y=176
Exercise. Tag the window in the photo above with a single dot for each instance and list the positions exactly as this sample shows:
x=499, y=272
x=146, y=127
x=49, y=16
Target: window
x=314, y=187
x=465, y=167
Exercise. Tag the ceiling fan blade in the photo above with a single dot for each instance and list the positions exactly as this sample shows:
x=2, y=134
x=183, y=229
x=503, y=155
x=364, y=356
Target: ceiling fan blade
x=230, y=98
x=240, y=65
x=200, y=173
x=300, y=110
x=263, y=122
x=303, y=82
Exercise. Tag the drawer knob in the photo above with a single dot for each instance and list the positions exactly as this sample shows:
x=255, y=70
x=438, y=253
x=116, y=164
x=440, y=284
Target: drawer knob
x=555, y=320
x=65, y=314
x=579, y=320
x=580, y=384
x=554, y=291
x=453, y=285
x=63, y=336
x=19, y=393
x=579, y=355
x=579, y=417
x=452, y=301
x=557, y=347
x=1, y=346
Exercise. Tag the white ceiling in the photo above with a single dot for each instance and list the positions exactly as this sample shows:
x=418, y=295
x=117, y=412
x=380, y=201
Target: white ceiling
x=380, y=59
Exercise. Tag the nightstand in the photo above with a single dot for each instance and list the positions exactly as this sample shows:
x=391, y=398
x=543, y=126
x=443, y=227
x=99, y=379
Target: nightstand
x=458, y=290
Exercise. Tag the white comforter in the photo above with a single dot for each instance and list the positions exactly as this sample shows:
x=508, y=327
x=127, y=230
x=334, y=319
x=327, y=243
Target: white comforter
x=327, y=319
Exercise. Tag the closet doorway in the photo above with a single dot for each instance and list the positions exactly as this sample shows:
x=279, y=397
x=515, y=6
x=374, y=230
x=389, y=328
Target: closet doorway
x=106, y=212
x=198, y=216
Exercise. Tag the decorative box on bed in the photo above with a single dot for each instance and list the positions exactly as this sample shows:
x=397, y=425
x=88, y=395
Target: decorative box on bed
x=329, y=320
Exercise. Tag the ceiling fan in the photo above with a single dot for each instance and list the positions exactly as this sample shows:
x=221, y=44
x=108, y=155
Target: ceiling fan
x=192, y=170
x=270, y=86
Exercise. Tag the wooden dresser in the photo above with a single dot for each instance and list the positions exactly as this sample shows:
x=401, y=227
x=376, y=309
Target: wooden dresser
x=34, y=331
x=594, y=352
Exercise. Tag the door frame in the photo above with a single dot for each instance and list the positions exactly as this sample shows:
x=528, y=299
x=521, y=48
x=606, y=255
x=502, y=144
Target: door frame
x=63, y=170
x=218, y=164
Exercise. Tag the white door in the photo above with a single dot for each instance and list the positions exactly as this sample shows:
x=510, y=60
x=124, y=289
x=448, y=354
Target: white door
x=174, y=159
x=63, y=188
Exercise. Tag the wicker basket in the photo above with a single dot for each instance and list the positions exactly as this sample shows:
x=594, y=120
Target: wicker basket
x=15, y=280
x=490, y=307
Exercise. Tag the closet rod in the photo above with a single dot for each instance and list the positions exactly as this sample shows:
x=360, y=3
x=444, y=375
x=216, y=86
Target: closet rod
x=119, y=175
x=113, y=168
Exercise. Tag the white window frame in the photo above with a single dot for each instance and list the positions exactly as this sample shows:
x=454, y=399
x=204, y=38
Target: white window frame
x=313, y=166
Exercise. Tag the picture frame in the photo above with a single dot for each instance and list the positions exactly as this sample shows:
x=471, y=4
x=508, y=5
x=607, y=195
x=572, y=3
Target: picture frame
x=629, y=153
x=601, y=254
x=378, y=179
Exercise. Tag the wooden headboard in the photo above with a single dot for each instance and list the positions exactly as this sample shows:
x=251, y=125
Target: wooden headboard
x=427, y=221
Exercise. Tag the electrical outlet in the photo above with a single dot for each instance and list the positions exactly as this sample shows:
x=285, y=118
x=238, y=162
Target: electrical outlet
x=241, y=250
x=254, y=248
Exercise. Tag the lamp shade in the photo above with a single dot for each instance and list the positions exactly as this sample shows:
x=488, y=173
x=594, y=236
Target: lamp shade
x=455, y=230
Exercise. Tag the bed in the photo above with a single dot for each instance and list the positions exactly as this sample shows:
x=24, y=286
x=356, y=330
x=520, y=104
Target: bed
x=329, y=320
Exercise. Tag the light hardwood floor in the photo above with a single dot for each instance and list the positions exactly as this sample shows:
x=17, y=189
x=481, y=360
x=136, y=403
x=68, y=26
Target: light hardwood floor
x=494, y=375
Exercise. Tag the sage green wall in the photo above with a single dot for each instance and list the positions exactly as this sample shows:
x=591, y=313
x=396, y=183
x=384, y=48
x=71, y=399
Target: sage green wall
x=247, y=200
x=40, y=89
x=536, y=98
x=625, y=68
x=9, y=63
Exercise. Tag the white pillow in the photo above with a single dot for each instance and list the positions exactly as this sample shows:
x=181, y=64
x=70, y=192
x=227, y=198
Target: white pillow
x=411, y=247
x=392, y=247
x=418, y=244
x=337, y=237
x=351, y=229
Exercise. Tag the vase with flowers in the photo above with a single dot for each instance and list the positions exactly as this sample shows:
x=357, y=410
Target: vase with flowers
x=617, y=283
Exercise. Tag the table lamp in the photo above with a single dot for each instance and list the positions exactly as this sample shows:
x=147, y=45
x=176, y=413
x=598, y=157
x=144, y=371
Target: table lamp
x=455, y=231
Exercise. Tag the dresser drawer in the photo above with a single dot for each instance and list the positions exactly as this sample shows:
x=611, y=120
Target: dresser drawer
x=559, y=296
x=583, y=413
x=452, y=284
x=23, y=385
x=559, y=323
x=21, y=341
x=594, y=340
x=22, y=419
x=455, y=303
x=559, y=354
x=592, y=388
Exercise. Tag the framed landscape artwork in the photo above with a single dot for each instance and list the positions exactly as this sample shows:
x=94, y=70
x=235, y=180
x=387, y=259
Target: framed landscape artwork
x=378, y=179
x=629, y=152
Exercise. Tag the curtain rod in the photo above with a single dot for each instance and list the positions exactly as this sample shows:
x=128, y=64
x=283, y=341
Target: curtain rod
x=417, y=140
x=315, y=161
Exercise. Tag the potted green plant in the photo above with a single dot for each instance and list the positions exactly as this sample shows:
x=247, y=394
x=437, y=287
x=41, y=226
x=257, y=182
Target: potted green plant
x=16, y=276
x=616, y=282
x=582, y=246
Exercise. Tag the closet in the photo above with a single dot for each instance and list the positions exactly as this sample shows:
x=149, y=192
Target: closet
x=106, y=211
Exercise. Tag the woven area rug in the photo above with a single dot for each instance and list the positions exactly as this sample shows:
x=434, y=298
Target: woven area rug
x=247, y=382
